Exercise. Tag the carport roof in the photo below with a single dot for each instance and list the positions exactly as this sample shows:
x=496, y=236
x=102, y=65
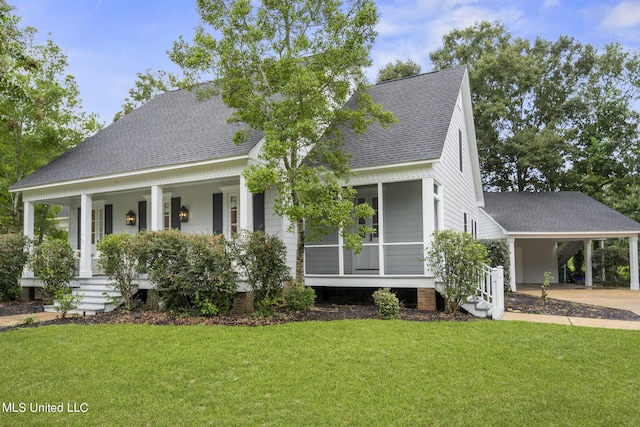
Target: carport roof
x=555, y=212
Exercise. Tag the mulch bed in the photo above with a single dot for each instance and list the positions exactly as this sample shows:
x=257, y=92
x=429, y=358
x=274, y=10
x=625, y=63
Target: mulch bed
x=323, y=312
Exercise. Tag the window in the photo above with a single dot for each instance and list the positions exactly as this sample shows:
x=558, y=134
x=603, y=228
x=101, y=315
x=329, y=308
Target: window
x=97, y=224
x=460, y=148
x=465, y=222
x=166, y=216
x=233, y=213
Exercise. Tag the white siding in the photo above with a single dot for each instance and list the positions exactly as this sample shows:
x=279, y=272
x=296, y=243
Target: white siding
x=279, y=227
x=458, y=190
x=488, y=228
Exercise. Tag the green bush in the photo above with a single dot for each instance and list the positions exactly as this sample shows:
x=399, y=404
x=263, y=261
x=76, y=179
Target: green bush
x=457, y=260
x=13, y=257
x=498, y=252
x=66, y=301
x=262, y=258
x=119, y=255
x=300, y=297
x=189, y=269
x=53, y=263
x=387, y=303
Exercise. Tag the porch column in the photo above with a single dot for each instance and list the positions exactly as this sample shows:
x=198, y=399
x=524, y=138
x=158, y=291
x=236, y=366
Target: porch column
x=380, y=230
x=633, y=263
x=512, y=263
x=29, y=225
x=245, y=206
x=588, y=273
x=428, y=216
x=157, y=208
x=85, y=235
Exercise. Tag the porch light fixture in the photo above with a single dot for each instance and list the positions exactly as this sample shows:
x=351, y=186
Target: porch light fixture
x=130, y=218
x=183, y=214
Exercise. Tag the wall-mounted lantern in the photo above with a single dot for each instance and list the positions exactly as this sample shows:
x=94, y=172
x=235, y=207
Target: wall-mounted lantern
x=130, y=218
x=183, y=214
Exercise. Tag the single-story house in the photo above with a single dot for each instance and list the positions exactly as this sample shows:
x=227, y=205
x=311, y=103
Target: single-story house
x=172, y=164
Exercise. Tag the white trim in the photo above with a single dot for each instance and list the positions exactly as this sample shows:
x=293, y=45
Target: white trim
x=369, y=281
x=395, y=166
x=633, y=263
x=576, y=235
x=129, y=174
x=380, y=230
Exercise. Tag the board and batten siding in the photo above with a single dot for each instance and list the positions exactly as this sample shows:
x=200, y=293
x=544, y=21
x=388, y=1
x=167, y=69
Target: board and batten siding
x=458, y=190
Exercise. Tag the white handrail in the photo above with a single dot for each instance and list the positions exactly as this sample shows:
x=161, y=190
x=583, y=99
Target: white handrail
x=491, y=289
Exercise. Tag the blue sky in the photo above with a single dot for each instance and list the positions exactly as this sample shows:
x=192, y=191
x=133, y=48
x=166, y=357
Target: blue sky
x=109, y=41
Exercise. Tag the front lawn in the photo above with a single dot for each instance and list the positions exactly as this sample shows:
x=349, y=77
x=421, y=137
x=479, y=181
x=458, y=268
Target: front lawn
x=365, y=372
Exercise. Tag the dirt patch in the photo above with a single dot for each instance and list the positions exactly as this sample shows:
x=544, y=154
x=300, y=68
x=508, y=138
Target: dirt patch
x=515, y=302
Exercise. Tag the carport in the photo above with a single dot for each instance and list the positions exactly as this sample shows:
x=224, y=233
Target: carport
x=547, y=228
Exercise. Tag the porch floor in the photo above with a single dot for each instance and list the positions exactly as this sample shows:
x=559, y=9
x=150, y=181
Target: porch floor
x=623, y=299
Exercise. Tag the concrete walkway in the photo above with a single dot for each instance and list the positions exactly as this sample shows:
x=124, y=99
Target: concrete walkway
x=622, y=299
x=17, y=319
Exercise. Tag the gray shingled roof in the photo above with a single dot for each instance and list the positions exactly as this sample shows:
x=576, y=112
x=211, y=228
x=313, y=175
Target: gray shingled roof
x=175, y=128
x=423, y=105
x=554, y=212
x=170, y=129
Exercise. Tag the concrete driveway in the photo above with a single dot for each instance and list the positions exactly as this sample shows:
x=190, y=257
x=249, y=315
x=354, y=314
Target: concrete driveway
x=622, y=299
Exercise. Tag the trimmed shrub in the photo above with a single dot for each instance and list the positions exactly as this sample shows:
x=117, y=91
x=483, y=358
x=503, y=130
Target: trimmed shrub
x=457, y=260
x=13, y=257
x=119, y=254
x=262, y=258
x=190, y=271
x=387, y=303
x=498, y=252
x=300, y=297
x=53, y=263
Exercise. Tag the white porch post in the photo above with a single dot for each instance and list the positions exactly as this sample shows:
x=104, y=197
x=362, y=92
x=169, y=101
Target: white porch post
x=380, y=230
x=633, y=263
x=588, y=273
x=29, y=225
x=512, y=263
x=428, y=216
x=245, y=206
x=85, y=235
x=157, y=211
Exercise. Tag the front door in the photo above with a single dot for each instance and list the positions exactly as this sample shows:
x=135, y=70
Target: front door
x=368, y=260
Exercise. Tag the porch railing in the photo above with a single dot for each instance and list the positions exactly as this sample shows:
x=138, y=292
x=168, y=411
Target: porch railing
x=491, y=290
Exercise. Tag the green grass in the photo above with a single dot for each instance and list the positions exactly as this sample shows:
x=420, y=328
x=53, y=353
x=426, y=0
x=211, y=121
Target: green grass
x=364, y=373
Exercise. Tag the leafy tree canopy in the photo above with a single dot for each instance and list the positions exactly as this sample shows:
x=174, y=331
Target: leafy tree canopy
x=398, y=70
x=40, y=112
x=287, y=68
x=551, y=115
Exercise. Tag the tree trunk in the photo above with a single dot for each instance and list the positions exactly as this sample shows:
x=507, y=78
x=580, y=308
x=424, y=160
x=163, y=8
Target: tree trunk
x=300, y=252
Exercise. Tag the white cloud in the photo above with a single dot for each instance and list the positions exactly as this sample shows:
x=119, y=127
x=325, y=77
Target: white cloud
x=549, y=4
x=624, y=15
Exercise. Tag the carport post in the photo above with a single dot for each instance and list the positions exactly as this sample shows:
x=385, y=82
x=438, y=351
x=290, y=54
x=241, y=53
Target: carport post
x=633, y=262
x=588, y=273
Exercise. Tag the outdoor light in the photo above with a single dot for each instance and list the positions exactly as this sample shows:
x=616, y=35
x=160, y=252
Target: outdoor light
x=130, y=218
x=184, y=214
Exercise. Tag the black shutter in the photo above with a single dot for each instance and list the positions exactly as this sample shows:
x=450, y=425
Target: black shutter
x=142, y=215
x=79, y=228
x=175, y=212
x=217, y=213
x=258, y=212
x=108, y=219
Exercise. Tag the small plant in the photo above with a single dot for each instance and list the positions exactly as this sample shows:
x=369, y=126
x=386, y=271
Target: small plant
x=388, y=304
x=66, y=301
x=31, y=320
x=300, y=297
x=207, y=308
x=545, y=285
x=266, y=307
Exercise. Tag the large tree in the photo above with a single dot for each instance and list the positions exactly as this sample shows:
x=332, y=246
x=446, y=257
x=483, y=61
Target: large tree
x=398, y=70
x=287, y=68
x=41, y=116
x=549, y=115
